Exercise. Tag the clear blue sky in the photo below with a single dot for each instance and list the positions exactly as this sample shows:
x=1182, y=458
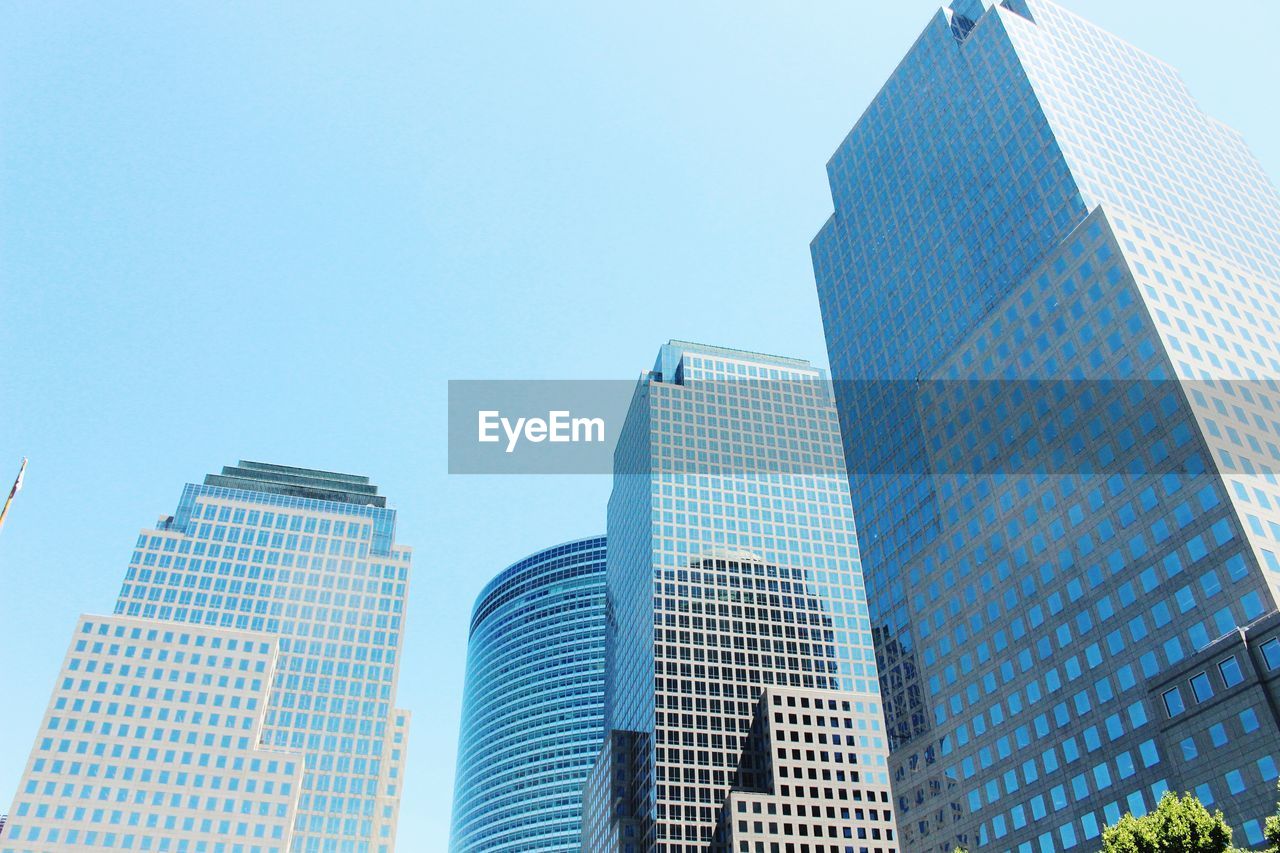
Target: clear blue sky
x=275, y=231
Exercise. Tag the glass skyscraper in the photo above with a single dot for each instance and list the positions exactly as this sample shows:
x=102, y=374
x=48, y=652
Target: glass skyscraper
x=533, y=706
x=742, y=691
x=242, y=696
x=1051, y=296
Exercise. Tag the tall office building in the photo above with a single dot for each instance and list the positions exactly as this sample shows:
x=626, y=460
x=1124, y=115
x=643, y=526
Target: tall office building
x=241, y=698
x=741, y=691
x=1031, y=198
x=533, y=706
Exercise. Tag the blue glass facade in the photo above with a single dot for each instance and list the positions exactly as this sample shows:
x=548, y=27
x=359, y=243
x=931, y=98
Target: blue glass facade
x=1029, y=198
x=734, y=570
x=533, y=706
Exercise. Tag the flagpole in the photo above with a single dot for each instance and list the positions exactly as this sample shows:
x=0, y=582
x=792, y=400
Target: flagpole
x=17, y=487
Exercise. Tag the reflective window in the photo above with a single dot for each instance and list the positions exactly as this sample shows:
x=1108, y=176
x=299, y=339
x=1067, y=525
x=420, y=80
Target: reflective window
x=1230, y=671
x=1201, y=687
x=1249, y=720
x=1271, y=653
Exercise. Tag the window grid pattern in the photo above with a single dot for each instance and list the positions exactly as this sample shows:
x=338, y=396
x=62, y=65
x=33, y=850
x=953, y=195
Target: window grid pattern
x=533, y=705
x=744, y=574
x=151, y=742
x=309, y=573
x=1023, y=612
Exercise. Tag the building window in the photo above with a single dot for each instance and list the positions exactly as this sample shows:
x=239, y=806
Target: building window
x=1201, y=687
x=1173, y=702
x=1230, y=671
x=1271, y=653
x=1248, y=720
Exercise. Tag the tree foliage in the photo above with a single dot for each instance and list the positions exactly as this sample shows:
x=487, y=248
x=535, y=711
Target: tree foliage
x=1178, y=825
x=1272, y=830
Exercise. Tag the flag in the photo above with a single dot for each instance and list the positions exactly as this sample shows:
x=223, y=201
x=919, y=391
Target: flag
x=17, y=487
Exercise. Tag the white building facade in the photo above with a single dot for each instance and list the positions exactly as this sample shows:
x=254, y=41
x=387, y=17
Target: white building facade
x=301, y=565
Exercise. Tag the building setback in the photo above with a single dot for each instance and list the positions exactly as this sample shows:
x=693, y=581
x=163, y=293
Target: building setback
x=733, y=575
x=1051, y=296
x=1220, y=717
x=614, y=815
x=533, y=706
x=152, y=737
x=242, y=696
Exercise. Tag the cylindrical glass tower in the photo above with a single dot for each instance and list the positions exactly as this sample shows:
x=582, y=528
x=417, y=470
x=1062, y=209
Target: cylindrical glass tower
x=533, y=707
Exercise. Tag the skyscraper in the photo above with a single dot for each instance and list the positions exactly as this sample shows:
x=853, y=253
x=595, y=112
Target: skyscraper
x=742, y=693
x=242, y=696
x=533, y=706
x=1051, y=295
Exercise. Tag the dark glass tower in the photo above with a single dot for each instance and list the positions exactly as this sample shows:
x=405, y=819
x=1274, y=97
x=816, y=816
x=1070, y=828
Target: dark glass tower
x=1051, y=297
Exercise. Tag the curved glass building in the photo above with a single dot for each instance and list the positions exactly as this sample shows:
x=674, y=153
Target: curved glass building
x=533, y=707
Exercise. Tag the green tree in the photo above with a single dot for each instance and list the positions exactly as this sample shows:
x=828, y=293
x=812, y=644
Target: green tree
x=1271, y=830
x=1178, y=825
